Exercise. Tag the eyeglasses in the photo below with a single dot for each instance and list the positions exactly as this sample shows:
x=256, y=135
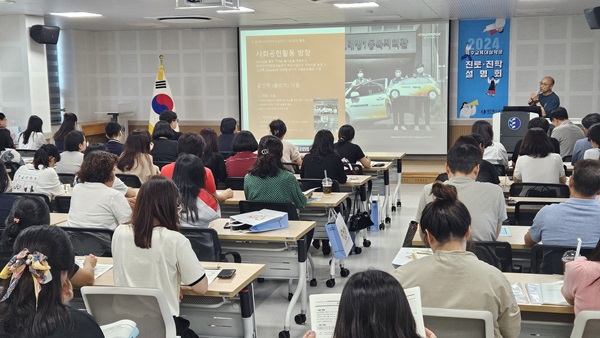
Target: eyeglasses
x=545, y=84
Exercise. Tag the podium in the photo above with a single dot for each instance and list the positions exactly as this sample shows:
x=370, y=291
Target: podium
x=510, y=127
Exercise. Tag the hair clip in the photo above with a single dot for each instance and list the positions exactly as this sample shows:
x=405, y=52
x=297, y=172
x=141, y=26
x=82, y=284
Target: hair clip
x=264, y=151
x=37, y=265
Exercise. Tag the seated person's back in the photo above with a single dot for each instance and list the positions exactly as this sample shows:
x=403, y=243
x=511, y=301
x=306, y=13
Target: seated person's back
x=244, y=146
x=322, y=158
x=537, y=163
x=165, y=147
x=72, y=157
x=39, y=176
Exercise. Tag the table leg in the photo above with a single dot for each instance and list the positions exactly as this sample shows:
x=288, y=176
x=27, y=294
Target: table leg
x=247, y=309
x=300, y=292
x=397, y=191
x=386, y=200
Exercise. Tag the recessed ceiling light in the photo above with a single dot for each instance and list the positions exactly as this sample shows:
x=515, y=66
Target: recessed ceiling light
x=356, y=5
x=77, y=14
x=239, y=10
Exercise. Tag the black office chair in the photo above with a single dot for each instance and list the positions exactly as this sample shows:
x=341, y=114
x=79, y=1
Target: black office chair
x=500, y=169
x=67, y=179
x=226, y=154
x=42, y=196
x=206, y=245
x=547, y=259
x=129, y=180
x=498, y=254
x=87, y=241
x=161, y=164
x=26, y=152
x=294, y=166
x=235, y=183
x=63, y=204
x=539, y=190
x=13, y=166
x=568, y=158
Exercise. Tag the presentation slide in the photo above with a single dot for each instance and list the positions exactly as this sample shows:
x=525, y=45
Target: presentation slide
x=389, y=81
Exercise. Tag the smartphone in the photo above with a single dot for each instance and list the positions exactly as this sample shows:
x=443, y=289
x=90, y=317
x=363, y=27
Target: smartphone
x=226, y=273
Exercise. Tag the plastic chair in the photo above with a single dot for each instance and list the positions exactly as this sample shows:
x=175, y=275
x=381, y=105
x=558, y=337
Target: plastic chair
x=85, y=241
x=63, y=204
x=501, y=250
x=13, y=166
x=206, y=245
x=235, y=183
x=294, y=166
x=131, y=181
x=568, y=158
x=67, y=179
x=547, y=259
x=148, y=308
x=539, y=190
x=42, y=196
x=453, y=323
x=587, y=325
x=161, y=164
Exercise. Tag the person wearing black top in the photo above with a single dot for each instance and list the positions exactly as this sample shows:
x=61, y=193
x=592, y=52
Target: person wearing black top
x=348, y=150
x=5, y=140
x=165, y=148
x=113, y=134
x=322, y=157
x=211, y=157
x=228, y=126
x=487, y=171
x=68, y=125
x=538, y=122
x=171, y=118
x=6, y=200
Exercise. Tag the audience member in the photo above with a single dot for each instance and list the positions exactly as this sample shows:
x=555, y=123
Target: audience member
x=348, y=150
x=322, y=157
x=39, y=176
x=6, y=200
x=29, y=211
x=68, y=125
x=71, y=158
x=93, y=203
x=494, y=152
x=565, y=131
x=198, y=206
x=165, y=147
x=171, y=118
x=114, y=135
x=228, y=127
x=593, y=136
x=584, y=144
x=546, y=99
x=42, y=255
x=582, y=282
x=6, y=140
x=149, y=252
x=563, y=223
x=136, y=158
x=484, y=201
x=537, y=163
x=244, y=147
x=487, y=171
x=452, y=277
x=537, y=122
x=118, y=185
x=211, y=157
x=373, y=304
x=33, y=137
x=192, y=143
x=290, y=153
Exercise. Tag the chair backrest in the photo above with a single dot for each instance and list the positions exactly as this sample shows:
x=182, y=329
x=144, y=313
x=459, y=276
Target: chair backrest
x=235, y=183
x=63, y=204
x=309, y=183
x=290, y=208
x=205, y=243
x=567, y=158
x=42, y=196
x=148, y=308
x=67, y=179
x=500, y=169
x=493, y=252
x=26, y=152
x=539, y=190
x=294, y=166
x=131, y=181
x=587, y=325
x=87, y=241
x=452, y=323
x=13, y=166
x=161, y=164
x=547, y=259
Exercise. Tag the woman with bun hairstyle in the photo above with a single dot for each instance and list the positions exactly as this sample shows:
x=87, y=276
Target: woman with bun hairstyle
x=348, y=150
x=468, y=283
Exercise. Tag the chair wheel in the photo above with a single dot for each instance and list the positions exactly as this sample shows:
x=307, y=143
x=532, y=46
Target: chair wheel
x=300, y=319
x=344, y=272
x=260, y=280
x=313, y=282
x=366, y=243
x=398, y=204
x=388, y=220
x=330, y=283
x=284, y=334
x=357, y=250
x=393, y=208
x=381, y=226
x=290, y=295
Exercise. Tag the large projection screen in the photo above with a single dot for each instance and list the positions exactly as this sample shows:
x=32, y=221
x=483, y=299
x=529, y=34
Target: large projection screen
x=311, y=79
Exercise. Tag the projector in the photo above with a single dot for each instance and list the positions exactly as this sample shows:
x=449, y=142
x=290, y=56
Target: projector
x=225, y=4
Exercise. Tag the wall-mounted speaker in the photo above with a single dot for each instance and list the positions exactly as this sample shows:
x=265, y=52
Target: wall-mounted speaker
x=592, y=15
x=44, y=34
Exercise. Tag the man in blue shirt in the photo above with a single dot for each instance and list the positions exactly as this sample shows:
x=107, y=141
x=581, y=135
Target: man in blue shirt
x=561, y=224
x=584, y=144
x=546, y=99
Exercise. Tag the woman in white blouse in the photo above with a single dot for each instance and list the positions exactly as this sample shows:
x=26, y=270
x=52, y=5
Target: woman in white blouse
x=32, y=137
x=593, y=136
x=536, y=162
x=494, y=152
x=72, y=157
x=39, y=176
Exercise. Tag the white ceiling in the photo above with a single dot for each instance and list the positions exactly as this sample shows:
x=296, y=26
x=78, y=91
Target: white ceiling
x=142, y=14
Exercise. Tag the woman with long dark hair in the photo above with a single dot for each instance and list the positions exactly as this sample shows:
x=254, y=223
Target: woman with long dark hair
x=348, y=150
x=136, y=158
x=198, y=206
x=494, y=152
x=33, y=137
x=69, y=124
x=468, y=283
x=211, y=157
x=323, y=157
x=150, y=252
x=39, y=176
x=536, y=162
x=36, y=288
x=582, y=282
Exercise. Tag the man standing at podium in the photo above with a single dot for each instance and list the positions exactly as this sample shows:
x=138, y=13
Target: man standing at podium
x=546, y=99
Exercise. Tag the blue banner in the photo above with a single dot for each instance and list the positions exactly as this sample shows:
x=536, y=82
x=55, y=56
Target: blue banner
x=483, y=47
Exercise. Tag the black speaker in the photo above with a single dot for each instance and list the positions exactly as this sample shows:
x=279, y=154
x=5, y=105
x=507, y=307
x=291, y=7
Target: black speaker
x=44, y=34
x=592, y=15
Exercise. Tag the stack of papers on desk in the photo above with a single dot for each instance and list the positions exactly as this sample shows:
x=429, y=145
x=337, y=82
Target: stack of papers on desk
x=99, y=270
x=539, y=293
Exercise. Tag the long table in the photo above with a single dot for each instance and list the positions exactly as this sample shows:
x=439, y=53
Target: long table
x=240, y=284
x=516, y=238
x=319, y=199
x=58, y=218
